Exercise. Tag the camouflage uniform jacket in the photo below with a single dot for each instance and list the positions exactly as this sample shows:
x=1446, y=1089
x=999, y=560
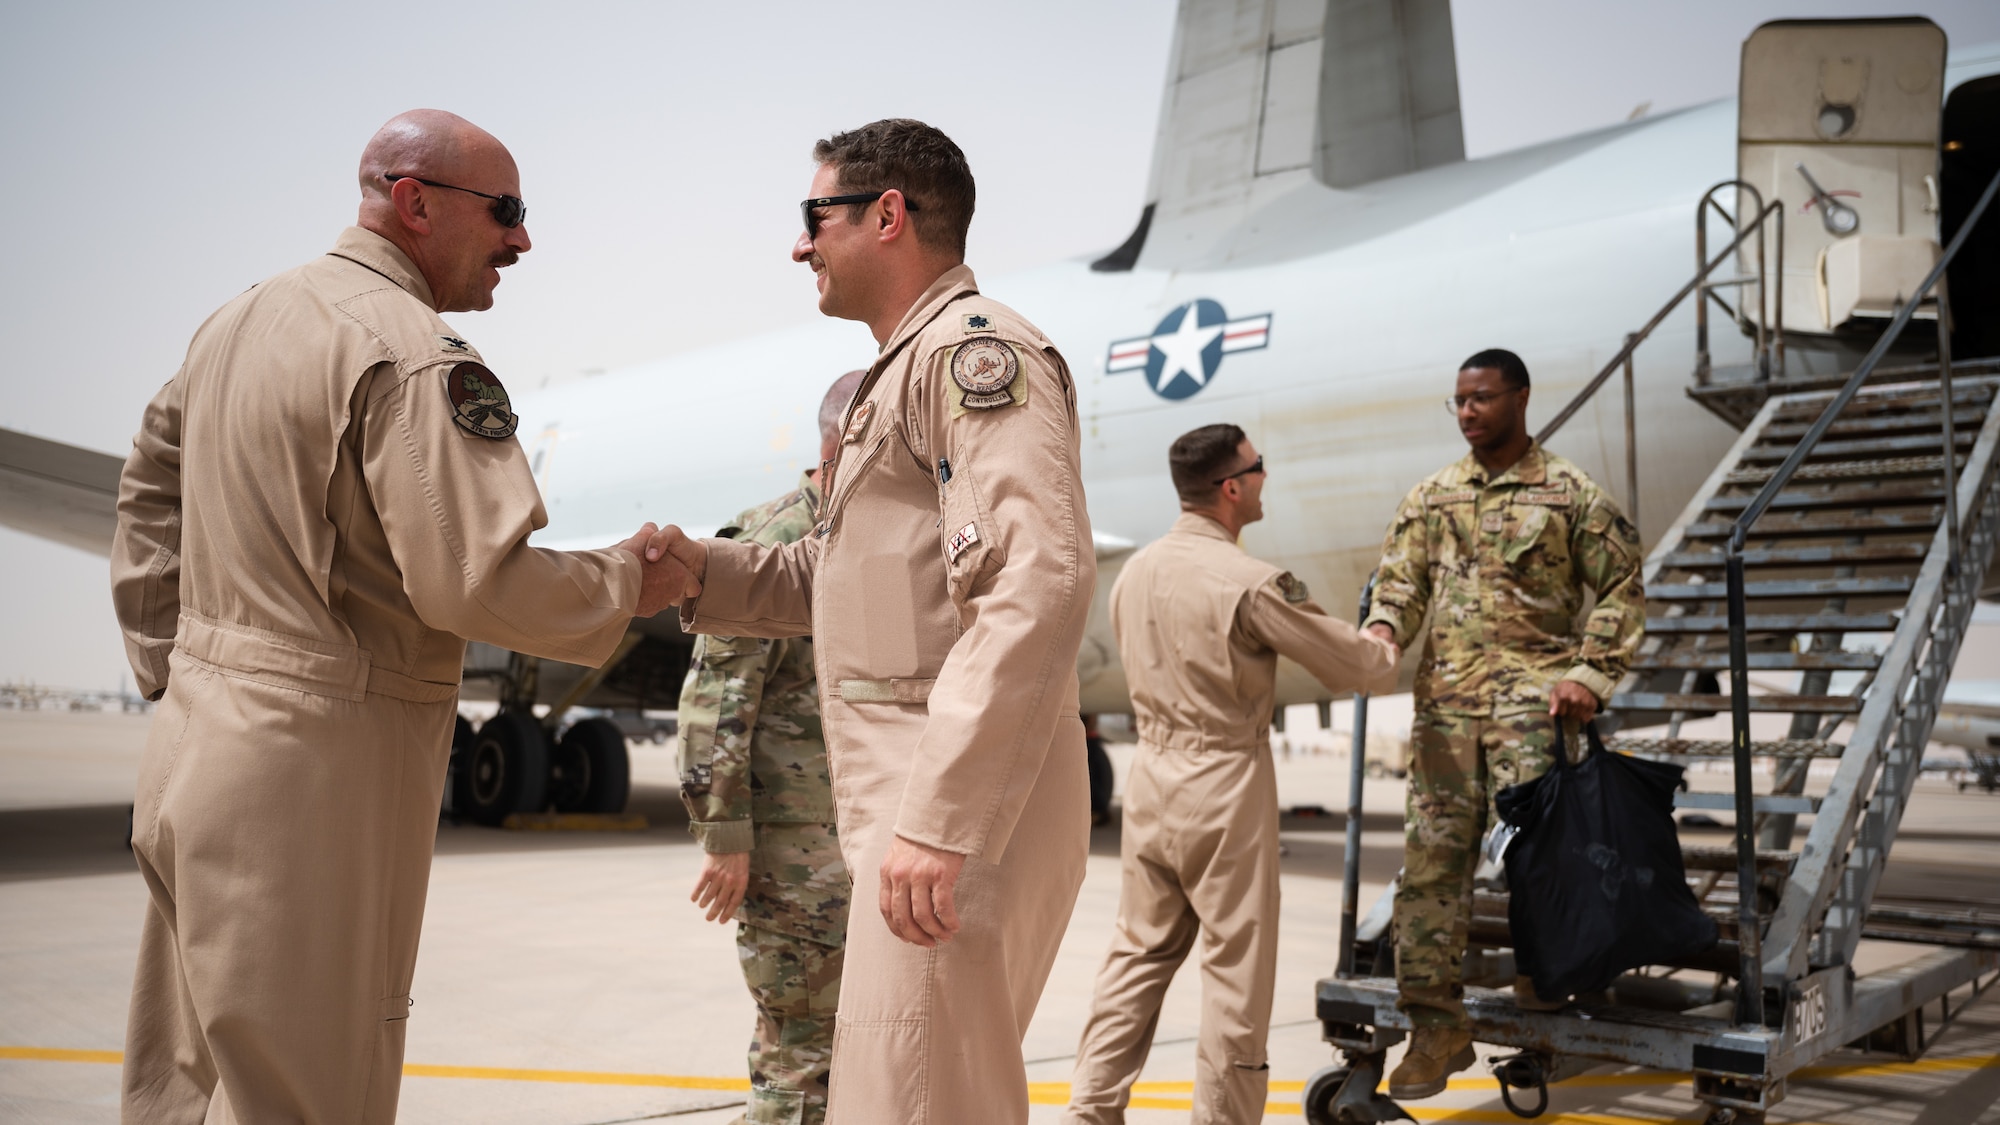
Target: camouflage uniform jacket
x=753, y=759
x=1504, y=562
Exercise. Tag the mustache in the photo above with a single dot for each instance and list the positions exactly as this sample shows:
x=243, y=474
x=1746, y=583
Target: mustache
x=502, y=261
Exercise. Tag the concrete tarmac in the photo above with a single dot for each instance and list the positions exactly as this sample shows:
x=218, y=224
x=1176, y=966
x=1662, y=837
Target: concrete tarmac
x=565, y=979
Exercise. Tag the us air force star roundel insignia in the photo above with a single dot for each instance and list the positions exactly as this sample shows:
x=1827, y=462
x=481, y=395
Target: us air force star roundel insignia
x=985, y=369
x=479, y=404
x=454, y=344
x=1294, y=590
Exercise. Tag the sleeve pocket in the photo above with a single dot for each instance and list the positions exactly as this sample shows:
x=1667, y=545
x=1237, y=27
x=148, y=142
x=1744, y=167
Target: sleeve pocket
x=967, y=536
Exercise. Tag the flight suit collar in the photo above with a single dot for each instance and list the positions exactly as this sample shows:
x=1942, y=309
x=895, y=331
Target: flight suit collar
x=1532, y=468
x=367, y=248
x=952, y=284
x=1197, y=524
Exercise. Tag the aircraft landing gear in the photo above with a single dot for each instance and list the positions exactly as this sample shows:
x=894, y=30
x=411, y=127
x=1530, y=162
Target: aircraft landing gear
x=504, y=770
x=590, y=772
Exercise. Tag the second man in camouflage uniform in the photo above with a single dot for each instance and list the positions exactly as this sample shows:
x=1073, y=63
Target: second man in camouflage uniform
x=754, y=779
x=1497, y=549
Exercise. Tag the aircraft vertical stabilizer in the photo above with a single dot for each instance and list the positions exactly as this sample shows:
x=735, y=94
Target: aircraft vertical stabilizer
x=1263, y=95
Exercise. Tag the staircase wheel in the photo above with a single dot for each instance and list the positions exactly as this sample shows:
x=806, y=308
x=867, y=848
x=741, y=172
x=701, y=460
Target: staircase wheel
x=1317, y=1098
x=590, y=772
x=506, y=770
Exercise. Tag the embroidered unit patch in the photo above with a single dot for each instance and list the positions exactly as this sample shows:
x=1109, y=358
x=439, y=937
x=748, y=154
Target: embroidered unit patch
x=858, y=423
x=1294, y=590
x=479, y=404
x=1463, y=496
x=985, y=369
x=965, y=537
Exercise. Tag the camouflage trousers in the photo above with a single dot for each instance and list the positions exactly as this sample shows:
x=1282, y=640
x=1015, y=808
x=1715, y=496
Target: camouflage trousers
x=796, y=984
x=1458, y=763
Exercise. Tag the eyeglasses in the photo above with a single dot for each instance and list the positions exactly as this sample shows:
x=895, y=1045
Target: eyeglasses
x=1256, y=466
x=1456, y=403
x=508, y=210
x=808, y=206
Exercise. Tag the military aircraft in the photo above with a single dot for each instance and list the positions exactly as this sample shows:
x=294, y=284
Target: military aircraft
x=1315, y=258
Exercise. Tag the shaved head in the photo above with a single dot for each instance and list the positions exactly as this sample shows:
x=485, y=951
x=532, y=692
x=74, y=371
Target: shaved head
x=835, y=404
x=447, y=226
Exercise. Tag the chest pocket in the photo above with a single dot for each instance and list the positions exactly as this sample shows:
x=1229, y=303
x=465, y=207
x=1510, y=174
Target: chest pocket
x=966, y=534
x=1536, y=519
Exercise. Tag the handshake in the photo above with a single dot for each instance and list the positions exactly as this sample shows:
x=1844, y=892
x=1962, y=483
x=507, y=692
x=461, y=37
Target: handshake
x=671, y=565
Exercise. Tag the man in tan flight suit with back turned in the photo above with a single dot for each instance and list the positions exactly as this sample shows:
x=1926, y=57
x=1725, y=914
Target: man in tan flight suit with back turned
x=945, y=588
x=1200, y=625
x=319, y=508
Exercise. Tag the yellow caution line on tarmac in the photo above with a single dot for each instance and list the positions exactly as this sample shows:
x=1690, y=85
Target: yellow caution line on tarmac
x=579, y=1077
x=61, y=1054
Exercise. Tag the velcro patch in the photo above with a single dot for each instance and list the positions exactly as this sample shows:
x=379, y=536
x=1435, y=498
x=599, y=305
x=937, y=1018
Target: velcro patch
x=1294, y=590
x=455, y=345
x=1492, y=521
x=987, y=375
x=1463, y=496
x=858, y=424
x=961, y=539
x=479, y=404
x=976, y=322
x=1547, y=498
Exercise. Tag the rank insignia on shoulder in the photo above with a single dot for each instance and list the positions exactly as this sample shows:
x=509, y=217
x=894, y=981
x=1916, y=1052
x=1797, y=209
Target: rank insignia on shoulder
x=1294, y=590
x=988, y=375
x=961, y=539
x=976, y=322
x=479, y=404
x=857, y=424
x=454, y=344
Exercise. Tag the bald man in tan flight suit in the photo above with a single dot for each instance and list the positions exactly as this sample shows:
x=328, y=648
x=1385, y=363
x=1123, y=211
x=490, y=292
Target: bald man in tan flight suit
x=945, y=589
x=1201, y=624
x=320, y=507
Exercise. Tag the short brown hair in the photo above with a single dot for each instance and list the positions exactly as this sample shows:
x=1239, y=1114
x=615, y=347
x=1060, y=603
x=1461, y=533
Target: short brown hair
x=915, y=159
x=1199, y=456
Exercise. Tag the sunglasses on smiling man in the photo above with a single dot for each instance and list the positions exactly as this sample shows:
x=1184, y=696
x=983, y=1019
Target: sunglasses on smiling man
x=809, y=208
x=508, y=210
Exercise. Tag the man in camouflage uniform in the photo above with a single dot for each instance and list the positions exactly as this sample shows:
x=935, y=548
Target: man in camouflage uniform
x=754, y=779
x=1497, y=550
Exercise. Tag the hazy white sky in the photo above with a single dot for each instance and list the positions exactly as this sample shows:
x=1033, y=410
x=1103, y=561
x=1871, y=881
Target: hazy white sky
x=161, y=158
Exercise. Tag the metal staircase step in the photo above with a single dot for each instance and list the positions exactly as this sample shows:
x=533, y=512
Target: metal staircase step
x=1810, y=409
x=1759, y=661
x=1913, y=444
x=1763, y=803
x=1721, y=748
x=1825, y=525
x=1790, y=704
x=1847, y=470
x=1707, y=857
x=1846, y=554
x=1789, y=588
x=1930, y=420
x=1908, y=492
x=1778, y=623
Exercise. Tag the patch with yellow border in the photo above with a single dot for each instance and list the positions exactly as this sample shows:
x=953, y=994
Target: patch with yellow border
x=985, y=375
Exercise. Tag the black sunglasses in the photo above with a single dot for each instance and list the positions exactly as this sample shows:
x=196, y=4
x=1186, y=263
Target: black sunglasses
x=1256, y=466
x=508, y=210
x=808, y=206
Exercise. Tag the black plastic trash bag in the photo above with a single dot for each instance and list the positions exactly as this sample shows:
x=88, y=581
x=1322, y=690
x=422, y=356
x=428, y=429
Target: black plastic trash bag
x=1595, y=872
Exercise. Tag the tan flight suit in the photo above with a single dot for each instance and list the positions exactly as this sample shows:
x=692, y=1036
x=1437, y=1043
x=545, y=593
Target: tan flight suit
x=946, y=615
x=310, y=523
x=1200, y=626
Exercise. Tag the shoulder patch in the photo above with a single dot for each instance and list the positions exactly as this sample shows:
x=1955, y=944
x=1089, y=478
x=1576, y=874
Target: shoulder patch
x=455, y=345
x=1294, y=590
x=975, y=322
x=987, y=372
x=1461, y=496
x=479, y=404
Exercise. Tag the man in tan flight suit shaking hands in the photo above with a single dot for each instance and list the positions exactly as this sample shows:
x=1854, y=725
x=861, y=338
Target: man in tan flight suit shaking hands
x=945, y=588
x=1200, y=625
x=319, y=509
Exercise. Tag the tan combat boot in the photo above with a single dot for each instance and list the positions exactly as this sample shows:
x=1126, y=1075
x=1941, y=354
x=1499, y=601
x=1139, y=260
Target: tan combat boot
x=1435, y=1053
x=1526, y=1000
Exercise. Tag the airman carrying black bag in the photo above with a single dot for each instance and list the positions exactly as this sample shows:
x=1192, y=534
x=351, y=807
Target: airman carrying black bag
x=1598, y=885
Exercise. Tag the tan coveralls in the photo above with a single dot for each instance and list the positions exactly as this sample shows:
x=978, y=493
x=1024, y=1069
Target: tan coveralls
x=1200, y=626
x=304, y=539
x=946, y=616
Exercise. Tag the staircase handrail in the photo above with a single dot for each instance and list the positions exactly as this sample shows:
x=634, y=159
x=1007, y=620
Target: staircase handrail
x=1774, y=209
x=1750, y=980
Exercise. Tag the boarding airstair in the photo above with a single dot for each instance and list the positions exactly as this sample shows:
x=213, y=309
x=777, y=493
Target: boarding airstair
x=1825, y=573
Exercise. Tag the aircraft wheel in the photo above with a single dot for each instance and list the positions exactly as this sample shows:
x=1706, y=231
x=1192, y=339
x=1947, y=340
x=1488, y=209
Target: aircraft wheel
x=505, y=771
x=590, y=772
x=1317, y=1098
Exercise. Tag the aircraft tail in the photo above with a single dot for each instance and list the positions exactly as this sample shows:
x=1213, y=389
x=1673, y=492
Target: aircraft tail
x=1264, y=94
